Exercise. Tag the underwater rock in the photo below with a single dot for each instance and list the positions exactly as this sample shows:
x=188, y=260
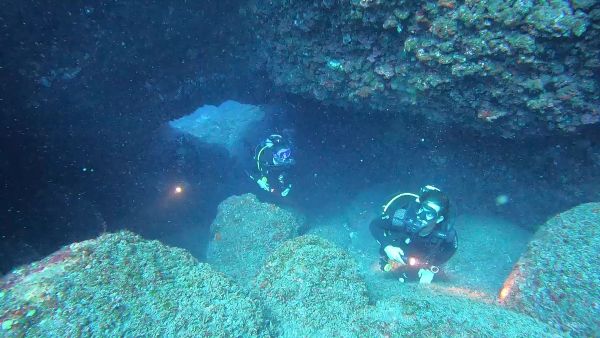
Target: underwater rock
x=312, y=288
x=244, y=232
x=462, y=58
x=416, y=311
x=121, y=285
x=557, y=279
x=225, y=125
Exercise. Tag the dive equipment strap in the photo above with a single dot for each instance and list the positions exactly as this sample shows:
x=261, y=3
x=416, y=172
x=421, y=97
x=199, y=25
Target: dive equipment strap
x=390, y=202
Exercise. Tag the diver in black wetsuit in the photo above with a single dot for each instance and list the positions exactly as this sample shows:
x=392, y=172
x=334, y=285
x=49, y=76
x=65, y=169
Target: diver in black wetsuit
x=415, y=235
x=273, y=161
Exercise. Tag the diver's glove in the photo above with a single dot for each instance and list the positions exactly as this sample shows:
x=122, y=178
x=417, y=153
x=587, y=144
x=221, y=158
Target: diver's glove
x=425, y=276
x=394, y=253
x=262, y=182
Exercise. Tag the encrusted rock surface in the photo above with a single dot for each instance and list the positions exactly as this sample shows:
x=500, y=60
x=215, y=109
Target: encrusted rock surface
x=557, y=279
x=121, y=285
x=245, y=232
x=511, y=67
x=311, y=288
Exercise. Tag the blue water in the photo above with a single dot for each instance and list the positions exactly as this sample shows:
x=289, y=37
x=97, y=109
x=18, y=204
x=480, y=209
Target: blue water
x=79, y=144
x=88, y=90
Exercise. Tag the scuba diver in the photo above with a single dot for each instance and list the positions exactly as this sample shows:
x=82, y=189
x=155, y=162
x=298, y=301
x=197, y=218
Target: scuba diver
x=274, y=159
x=414, y=235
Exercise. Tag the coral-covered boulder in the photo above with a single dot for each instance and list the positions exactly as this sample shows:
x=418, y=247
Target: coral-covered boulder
x=557, y=279
x=312, y=288
x=121, y=285
x=245, y=232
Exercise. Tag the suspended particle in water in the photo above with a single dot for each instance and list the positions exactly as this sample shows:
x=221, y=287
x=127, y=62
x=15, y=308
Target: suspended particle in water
x=502, y=199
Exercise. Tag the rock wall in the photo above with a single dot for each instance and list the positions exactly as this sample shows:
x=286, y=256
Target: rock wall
x=509, y=67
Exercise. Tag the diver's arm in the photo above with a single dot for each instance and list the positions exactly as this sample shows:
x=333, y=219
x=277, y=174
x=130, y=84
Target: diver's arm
x=378, y=228
x=446, y=249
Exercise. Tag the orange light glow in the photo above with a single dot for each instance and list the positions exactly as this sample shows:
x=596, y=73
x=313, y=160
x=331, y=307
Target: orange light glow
x=509, y=283
x=178, y=189
x=412, y=261
x=504, y=292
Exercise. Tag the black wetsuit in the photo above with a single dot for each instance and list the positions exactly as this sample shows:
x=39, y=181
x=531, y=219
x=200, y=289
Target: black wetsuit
x=277, y=175
x=425, y=251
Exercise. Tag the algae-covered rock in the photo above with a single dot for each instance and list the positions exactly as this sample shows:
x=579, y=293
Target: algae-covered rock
x=121, y=285
x=416, y=311
x=312, y=288
x=481, y=53
x=557, y=279
x=245, y=232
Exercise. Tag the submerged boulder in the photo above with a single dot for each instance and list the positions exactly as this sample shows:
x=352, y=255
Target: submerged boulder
x=557, y=279
x=121, y=285
x=417, y=311
x=312, y=288
x=245, y=232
